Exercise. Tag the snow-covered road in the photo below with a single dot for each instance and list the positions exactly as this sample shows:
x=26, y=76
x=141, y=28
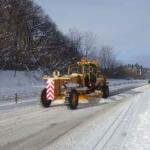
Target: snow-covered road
x=121, y=122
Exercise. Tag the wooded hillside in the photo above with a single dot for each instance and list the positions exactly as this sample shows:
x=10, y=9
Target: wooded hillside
x=30, y=39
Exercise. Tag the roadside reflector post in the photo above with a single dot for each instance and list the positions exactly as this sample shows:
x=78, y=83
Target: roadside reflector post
x=16, y=98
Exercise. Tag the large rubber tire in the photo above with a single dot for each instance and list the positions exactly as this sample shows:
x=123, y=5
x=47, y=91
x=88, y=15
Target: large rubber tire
x=44, y=101
x=72, y=99
x=105, y=91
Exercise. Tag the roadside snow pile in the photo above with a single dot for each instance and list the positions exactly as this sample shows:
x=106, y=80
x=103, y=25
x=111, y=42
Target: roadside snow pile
x=140, y=137
x=22, y=78
x=25, y=84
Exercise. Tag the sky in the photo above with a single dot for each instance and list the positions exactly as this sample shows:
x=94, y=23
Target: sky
x=123, y=25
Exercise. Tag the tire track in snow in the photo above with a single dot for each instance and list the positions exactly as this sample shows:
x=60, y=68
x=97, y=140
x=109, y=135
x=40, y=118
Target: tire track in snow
x=110, y=129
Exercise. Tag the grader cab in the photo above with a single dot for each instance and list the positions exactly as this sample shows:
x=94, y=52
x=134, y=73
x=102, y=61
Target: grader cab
x=83, y=79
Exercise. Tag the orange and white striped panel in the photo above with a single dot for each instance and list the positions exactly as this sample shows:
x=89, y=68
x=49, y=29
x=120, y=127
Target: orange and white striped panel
x=50, y=90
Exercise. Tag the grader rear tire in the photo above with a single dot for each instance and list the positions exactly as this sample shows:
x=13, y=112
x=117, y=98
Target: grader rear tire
x=72, y=99
x=44, y=101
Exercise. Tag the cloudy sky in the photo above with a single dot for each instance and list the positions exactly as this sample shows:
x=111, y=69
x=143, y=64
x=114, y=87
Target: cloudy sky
x=121, y=24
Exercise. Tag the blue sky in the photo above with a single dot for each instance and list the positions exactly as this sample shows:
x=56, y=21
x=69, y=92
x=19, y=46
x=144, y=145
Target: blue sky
x=121, y=24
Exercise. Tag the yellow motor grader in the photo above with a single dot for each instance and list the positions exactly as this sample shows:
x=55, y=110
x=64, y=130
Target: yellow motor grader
x=83, y=80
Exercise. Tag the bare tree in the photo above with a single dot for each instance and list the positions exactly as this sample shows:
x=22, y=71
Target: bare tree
x=107, y=59
x=86, y=42
x=89, y=43
x=75, y=37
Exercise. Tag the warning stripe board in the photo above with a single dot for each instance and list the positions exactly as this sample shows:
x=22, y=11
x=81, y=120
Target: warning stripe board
x=50, y=90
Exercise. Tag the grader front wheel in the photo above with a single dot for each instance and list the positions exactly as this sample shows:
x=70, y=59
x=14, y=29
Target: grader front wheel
x=44, y=101
x=72, y=99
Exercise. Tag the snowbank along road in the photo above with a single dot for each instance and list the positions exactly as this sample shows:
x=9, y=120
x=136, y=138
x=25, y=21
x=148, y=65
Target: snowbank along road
x=120, y=122
x=27, y=85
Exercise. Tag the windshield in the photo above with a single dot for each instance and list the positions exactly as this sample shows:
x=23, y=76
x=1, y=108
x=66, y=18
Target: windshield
x=76, y=69
x=86, y=68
